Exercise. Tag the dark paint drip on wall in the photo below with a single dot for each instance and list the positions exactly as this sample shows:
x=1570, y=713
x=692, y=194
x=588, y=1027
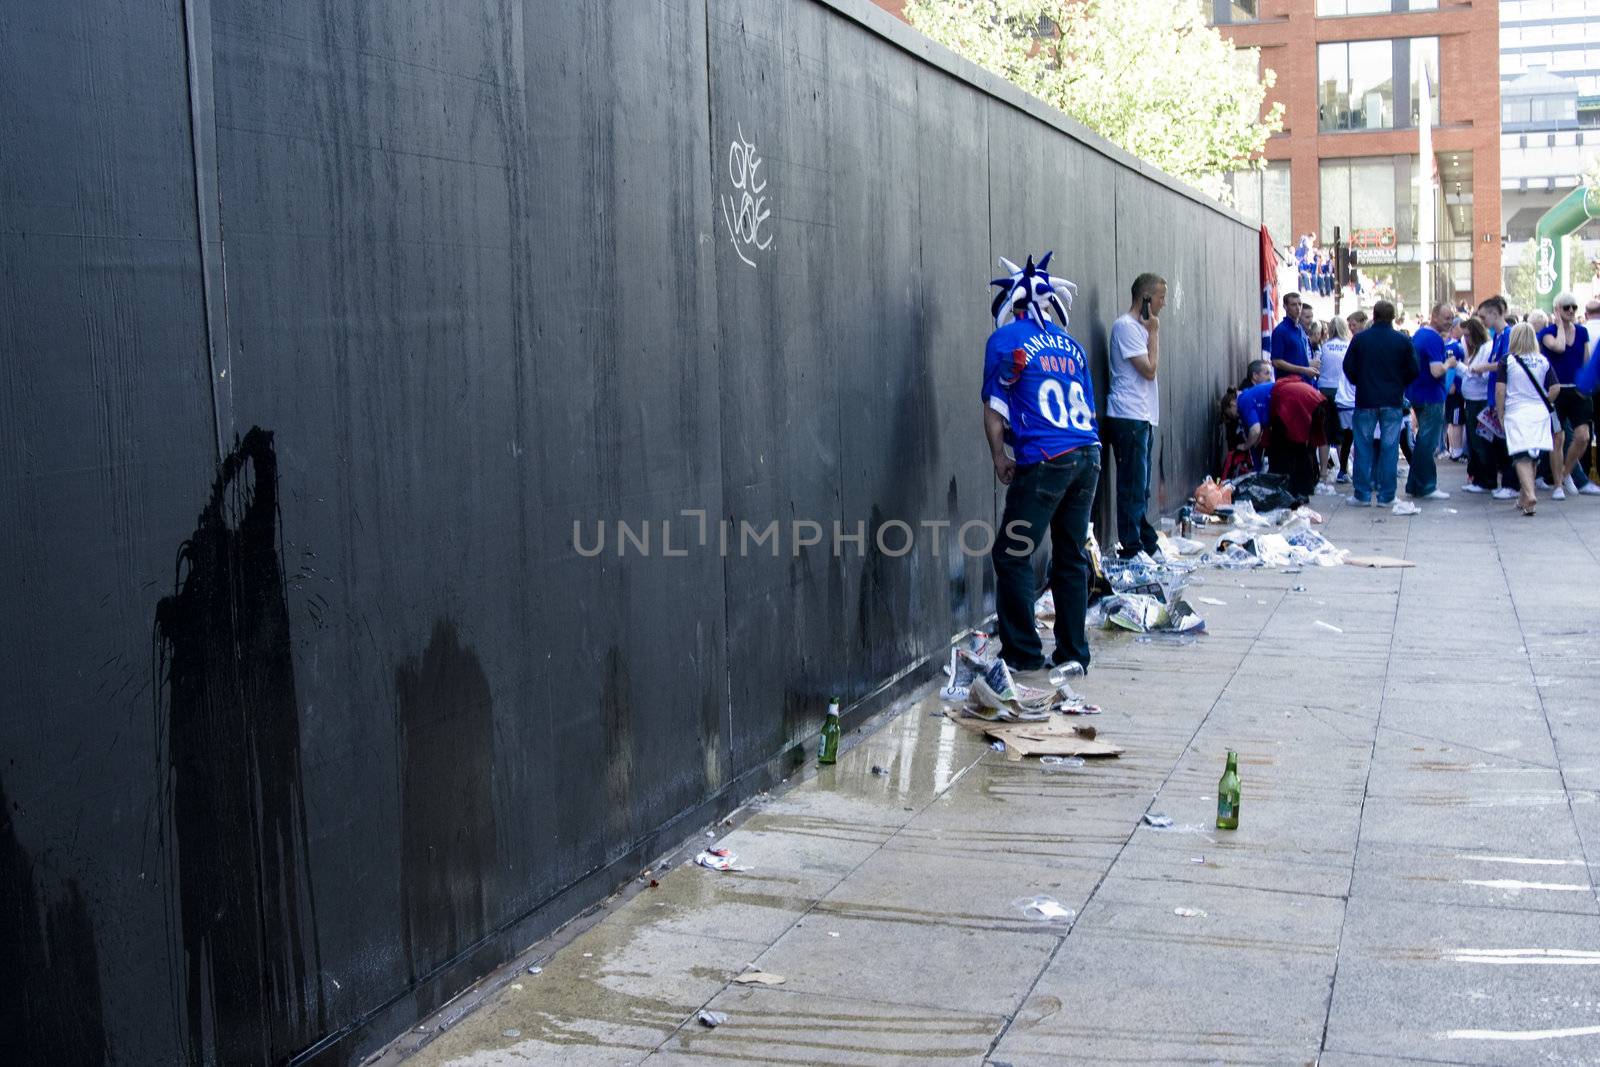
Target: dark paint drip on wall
x=958, y=564
x=50, y=1010
x=448, y=832
x=250, y=988
x=616, y=725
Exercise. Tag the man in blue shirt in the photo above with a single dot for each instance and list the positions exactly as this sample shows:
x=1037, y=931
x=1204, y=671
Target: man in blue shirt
x=1565, y=343
x=1426, y=393
x=1036, y=383
x=1291, y=349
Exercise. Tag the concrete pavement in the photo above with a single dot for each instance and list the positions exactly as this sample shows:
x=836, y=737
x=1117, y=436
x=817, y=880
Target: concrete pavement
x=1411, y=879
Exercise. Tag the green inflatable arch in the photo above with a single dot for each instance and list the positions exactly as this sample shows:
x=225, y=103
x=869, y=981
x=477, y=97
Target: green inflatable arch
x=1550, y=233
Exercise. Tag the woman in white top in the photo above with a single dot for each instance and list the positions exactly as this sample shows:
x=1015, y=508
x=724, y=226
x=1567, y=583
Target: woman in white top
x=1526, y=386
x=1330, y=381
x=1481, y=473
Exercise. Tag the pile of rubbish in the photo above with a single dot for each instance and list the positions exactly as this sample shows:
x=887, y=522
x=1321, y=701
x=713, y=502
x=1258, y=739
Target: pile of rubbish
x=982, y=683
x=1143, y=594
x=1271, y=527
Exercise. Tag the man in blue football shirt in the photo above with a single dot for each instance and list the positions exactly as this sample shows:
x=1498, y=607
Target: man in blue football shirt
x=1565, y=342
x=1254, y=408
x=1291, y=350
x=1037, y=390
x=1426, y=393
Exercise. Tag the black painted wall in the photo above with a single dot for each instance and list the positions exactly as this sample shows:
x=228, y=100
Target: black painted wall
x=320, y=326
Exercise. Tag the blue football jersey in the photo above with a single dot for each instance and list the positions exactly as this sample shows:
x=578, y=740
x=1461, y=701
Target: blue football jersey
x=1038, y=379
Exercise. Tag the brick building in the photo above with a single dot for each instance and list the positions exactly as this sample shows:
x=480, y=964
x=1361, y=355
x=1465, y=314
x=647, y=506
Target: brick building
x=1349, y=76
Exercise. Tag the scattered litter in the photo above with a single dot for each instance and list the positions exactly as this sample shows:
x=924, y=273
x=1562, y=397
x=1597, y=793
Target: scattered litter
x=422, y=1029
x=1164, y=638
x=718, y=859
x=1055, y=737
x=511, y=1033
x=1044, y=909
x=712, y=1019
x=833, y=933
x=588, y=955
x=1328, y=626
x=1380, y=562
x=1451, y=511
x=517, y=987
x=1160, y=822
x=1197, y=859
x=1061, y=761
x=760, y=978
x=1299, y=589
x=1189, y=913
x=1213, y=601
x=879, y=770
x=535, y=970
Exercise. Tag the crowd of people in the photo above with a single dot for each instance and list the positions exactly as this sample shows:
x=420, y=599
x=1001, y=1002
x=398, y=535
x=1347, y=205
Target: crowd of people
x=1508, y=394
x=1331, y=402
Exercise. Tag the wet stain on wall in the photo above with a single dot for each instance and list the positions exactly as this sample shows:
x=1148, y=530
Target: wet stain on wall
x=51, y=1011
x=248, y=985
x=616, y=725
x=448, y=834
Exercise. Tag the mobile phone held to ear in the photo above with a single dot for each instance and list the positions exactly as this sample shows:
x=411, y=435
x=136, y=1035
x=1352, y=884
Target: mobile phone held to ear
x=1144, y=308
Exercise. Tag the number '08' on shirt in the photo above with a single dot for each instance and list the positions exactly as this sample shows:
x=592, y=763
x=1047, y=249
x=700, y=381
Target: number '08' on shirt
x=1038, y=380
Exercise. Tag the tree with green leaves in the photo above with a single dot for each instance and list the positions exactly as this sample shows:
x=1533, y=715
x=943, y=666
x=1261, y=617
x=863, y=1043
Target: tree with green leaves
x=1149, y=75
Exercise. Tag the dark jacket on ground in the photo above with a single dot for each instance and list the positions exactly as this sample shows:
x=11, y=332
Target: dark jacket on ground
x=1380, y=364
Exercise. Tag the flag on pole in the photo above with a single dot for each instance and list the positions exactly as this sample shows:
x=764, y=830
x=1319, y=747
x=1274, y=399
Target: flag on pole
x=1269, y=289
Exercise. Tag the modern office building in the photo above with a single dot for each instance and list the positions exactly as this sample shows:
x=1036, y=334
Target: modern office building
x=1359, y=80
x=1550, y=114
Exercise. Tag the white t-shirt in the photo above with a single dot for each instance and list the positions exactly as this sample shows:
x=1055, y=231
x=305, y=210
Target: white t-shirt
x=1476, y=386
x=1133, y=396
x=1333, y=350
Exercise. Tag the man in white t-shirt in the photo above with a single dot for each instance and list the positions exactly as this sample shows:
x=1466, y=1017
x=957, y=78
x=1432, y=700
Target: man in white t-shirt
x=1133, y=410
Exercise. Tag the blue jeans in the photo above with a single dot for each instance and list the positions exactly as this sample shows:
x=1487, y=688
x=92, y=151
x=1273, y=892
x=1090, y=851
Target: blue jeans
x=1387, y=453
x=1424, y=476
x=1129, y=440
x=1053, y=497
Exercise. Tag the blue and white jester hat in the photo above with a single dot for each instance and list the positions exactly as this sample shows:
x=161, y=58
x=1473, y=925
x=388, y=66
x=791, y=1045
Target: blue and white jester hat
x=1032, y=280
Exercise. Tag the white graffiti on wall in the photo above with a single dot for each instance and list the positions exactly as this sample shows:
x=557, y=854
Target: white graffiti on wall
x=746, y=210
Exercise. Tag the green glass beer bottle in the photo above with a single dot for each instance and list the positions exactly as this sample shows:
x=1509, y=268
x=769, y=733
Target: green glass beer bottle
x=1228, y=794
x=828, y=750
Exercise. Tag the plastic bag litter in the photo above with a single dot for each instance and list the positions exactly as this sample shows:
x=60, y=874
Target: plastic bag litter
x=1210, y=494
x=1160, y=822
x=1182, y=546
x=712, y=1019
x=1044, y=609
x=719, y=859
x=1266, y=491
x=1044, y=910
x=1061, y=761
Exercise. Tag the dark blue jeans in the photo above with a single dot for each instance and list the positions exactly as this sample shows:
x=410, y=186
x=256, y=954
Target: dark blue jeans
x=1129, y=441
x=1052, y=497
x=1376, y=463
x=1424, y=476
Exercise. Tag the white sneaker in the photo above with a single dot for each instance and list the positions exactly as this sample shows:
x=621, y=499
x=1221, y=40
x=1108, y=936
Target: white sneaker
x=1540, y=483
x=1559, y=494
x=1356, y=502
x=1590, y=489
x=1406, y=507
x=1505, y=494
x=1569, y=485
x=1470, y=488
x=1437, y=494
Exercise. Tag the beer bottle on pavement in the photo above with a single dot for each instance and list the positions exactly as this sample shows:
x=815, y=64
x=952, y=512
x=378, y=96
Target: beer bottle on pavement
x=828, y=750
x=1228, y=794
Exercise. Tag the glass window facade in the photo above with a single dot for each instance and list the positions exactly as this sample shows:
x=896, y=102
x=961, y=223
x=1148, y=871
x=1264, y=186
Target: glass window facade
x=1375, y=204
x=1374, y=85
x=1335, y=8
x=1262, y=196
x=1229, y=12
